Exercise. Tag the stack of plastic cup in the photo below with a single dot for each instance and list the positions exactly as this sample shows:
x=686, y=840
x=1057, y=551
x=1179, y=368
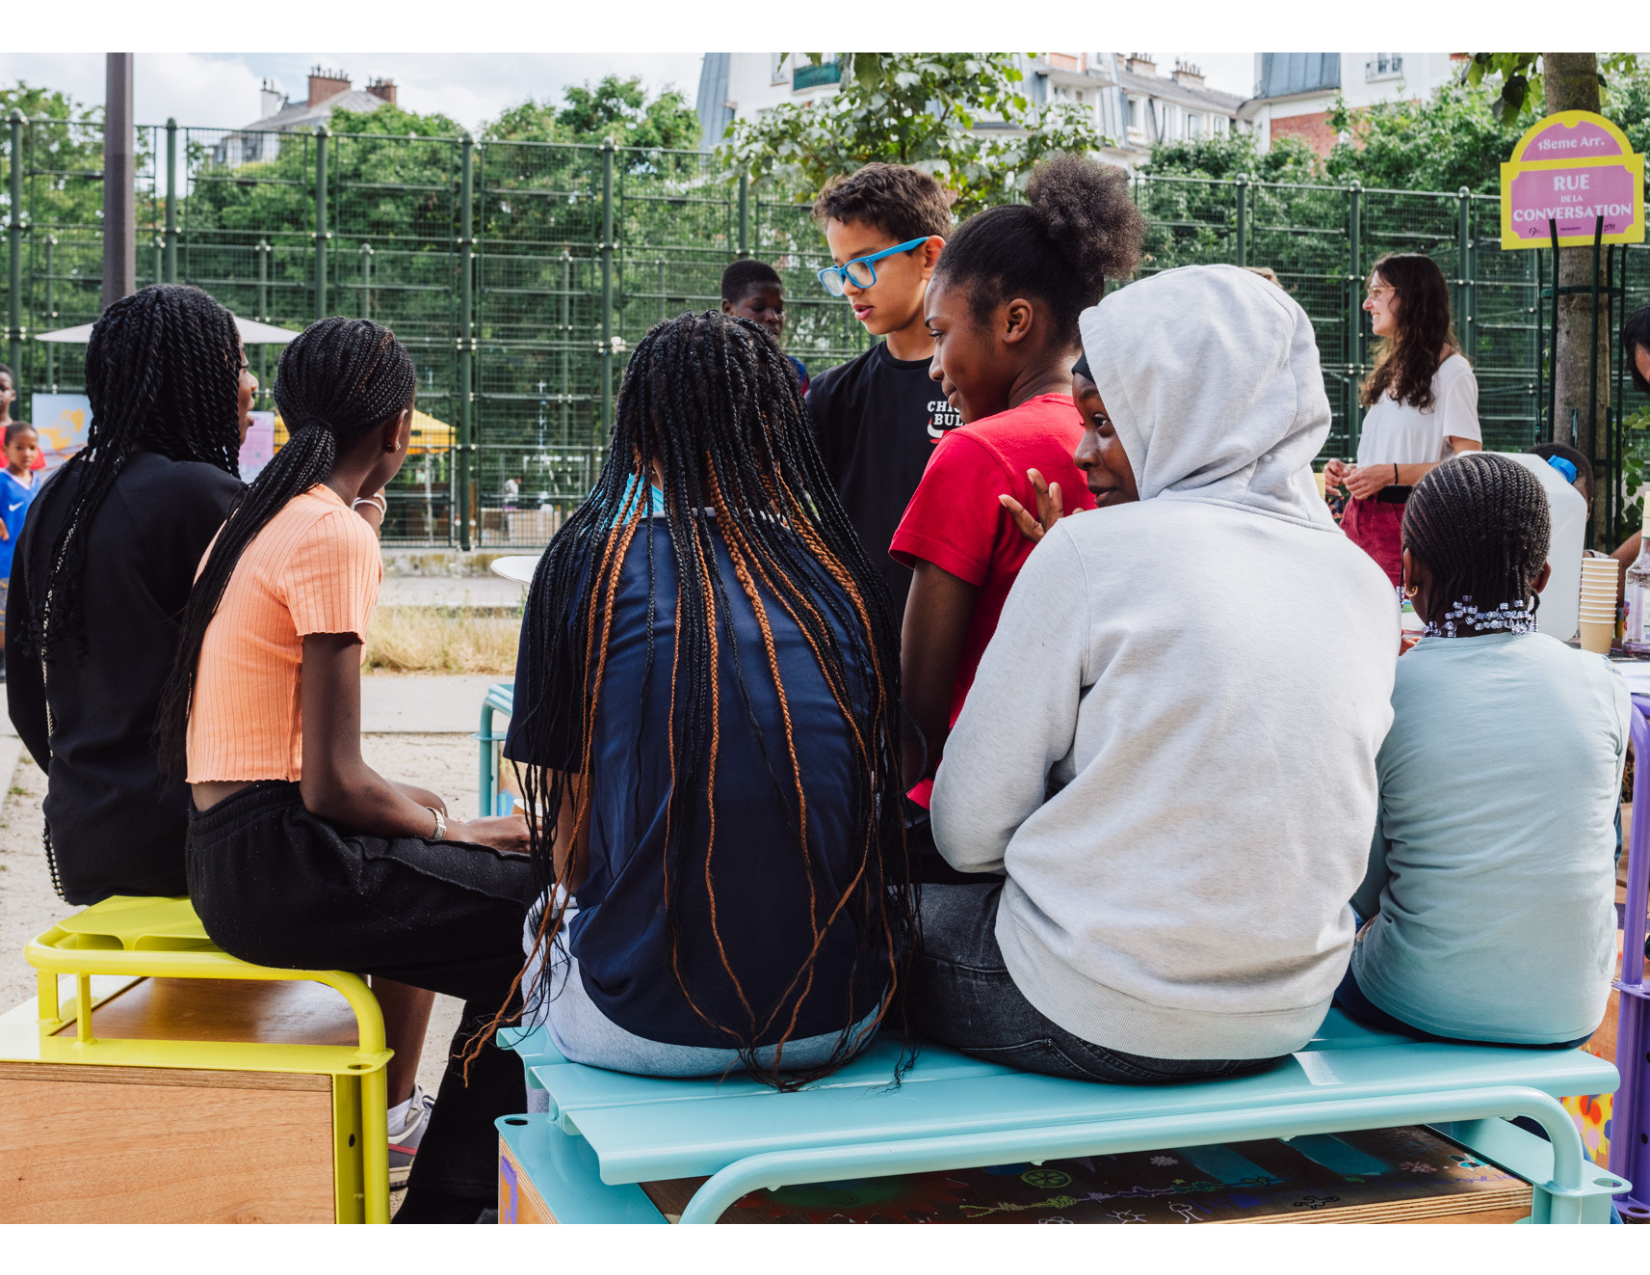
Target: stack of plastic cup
x=1599, y=578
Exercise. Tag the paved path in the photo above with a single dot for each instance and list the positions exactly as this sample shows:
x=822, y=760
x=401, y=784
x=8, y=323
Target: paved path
x=450, y=591
x=422, y=705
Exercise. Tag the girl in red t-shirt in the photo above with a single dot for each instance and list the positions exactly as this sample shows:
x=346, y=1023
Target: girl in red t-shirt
x=1002, y=308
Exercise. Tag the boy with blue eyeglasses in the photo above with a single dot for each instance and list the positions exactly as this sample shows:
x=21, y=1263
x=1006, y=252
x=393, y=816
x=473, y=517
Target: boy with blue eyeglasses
x=878, y=417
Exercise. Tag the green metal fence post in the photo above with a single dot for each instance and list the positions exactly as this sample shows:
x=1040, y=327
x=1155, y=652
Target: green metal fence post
x=1242, y=220
x=1354, y=308
x=322, y=136
x=1463, y=265
x=50, y=316
x=14, y=236
x=607, y=289
x=171, y=200
x=366, y=281
x=565, y=338
x=744, y=215
x=261, y=251
x=466, y=333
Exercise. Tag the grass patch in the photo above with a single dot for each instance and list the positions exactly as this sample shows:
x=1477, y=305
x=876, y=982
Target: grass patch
x=443, y=640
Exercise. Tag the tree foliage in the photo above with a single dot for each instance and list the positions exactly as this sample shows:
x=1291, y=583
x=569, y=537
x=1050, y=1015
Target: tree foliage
x=614, y=107
x=65, y=152
x=1518, y=84
x=1233, y=154
x=1452, y=139
x=920, y=109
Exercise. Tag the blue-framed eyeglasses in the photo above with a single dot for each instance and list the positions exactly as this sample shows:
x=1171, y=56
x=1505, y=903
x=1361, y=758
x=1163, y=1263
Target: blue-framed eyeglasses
x=860, y=272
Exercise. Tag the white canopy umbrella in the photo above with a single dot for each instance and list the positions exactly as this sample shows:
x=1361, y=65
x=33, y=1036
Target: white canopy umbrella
x=252, y=333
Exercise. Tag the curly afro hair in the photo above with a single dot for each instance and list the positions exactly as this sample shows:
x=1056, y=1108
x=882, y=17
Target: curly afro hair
x=1077, y=228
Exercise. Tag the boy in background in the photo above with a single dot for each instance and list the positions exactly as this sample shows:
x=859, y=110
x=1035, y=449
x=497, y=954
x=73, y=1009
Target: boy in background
x=752, y=290
x=878, y=417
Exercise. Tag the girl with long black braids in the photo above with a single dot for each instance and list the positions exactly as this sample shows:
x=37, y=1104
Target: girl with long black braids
x=101, y=572
x=706, y=703
x=300, y=855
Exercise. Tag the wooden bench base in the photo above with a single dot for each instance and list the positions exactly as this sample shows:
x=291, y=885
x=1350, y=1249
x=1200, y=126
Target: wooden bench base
x=87, y=1143
x=1405, y=1175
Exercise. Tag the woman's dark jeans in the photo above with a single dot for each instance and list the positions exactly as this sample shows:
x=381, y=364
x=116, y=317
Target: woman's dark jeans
x=965, y=998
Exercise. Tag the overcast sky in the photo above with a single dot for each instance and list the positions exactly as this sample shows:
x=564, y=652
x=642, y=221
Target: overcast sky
x=221, y=89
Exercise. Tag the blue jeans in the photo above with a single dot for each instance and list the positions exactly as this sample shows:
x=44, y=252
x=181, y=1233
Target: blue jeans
x=966, y=998
x=584, y=1034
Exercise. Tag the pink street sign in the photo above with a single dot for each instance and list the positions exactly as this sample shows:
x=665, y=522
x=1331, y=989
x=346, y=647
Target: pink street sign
x=1574, y=173
x=1584, y=140
x=1574, y=198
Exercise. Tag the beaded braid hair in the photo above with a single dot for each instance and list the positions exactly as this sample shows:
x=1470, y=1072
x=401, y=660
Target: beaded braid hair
x=339, y=380
x=1480, y=523
x=714, y=403
x=163, y=372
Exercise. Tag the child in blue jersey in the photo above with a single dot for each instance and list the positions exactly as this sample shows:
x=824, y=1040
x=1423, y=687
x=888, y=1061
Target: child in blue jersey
x=17, y=491
x=1491, y=885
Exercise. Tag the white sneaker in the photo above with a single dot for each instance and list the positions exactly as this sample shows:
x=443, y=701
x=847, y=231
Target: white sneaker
x=404, y=1140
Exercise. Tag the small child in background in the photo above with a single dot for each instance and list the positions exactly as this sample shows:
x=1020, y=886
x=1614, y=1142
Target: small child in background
x=753, y=290
x=17, y=493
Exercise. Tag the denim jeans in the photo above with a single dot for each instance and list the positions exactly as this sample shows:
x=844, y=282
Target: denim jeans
x=966, y=998
x=584, y=1034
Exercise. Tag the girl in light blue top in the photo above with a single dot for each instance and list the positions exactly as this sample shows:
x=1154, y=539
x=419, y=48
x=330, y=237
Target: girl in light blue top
x=1491, y=884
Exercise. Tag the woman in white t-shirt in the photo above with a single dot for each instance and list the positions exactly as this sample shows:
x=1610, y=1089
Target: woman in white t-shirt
x=1422, y=399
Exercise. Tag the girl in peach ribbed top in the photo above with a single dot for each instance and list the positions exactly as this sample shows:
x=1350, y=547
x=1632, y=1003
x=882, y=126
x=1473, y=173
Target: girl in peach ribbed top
x=315, y=568
x=299, y=854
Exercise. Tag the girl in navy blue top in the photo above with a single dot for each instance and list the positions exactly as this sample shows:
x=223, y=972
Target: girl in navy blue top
x=705, y=701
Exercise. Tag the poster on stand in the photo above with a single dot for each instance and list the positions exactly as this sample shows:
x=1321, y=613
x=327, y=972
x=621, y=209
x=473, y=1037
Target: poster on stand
x=259, y=447
x=61, y=421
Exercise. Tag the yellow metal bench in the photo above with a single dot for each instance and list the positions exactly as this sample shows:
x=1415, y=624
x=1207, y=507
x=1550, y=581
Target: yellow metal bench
x=134, y=999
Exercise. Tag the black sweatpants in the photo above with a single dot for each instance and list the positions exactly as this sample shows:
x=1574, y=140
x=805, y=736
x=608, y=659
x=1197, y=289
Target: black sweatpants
x=277, y=886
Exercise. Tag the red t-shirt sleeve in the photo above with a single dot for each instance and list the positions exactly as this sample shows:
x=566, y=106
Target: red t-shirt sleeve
x=953, y=517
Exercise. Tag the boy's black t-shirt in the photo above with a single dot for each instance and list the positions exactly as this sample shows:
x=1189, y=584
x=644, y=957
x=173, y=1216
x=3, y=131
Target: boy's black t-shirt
x=116, y=827
x=877, y=419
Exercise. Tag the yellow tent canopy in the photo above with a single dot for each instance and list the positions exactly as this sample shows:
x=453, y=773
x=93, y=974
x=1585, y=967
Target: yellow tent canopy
x=428, y=434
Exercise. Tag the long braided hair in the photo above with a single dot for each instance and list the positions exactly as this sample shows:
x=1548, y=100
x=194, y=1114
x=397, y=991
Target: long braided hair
x=338, y=380
x=163, y=373
x=1480, y=523
x=713, y=403
x=1406, y=362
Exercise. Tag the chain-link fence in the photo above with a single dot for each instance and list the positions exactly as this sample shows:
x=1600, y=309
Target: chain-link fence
x=519, y=273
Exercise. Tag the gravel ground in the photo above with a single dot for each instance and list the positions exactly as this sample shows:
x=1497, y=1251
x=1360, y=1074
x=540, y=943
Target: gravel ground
x=442, y=763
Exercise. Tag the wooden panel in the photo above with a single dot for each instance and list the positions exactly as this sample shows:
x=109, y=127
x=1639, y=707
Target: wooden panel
x=519, y=1203
x=84, y=1074
x=215, y=1009
x=130, y=1152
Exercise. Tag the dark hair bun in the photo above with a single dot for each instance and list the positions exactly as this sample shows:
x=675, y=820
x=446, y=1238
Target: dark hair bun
x=1085, y=209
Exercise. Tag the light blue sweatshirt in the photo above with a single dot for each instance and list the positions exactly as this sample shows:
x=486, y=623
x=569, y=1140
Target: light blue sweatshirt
x=1491, y=882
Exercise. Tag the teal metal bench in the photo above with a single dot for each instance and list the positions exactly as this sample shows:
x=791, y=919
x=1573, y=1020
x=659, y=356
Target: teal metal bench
x=500, y=698
x=604, y=1133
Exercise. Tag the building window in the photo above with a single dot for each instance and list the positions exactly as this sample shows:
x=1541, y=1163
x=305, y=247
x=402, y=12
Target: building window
x=1384, y=66
x=1134, y=114
x=777, y=74
x=1194, y=126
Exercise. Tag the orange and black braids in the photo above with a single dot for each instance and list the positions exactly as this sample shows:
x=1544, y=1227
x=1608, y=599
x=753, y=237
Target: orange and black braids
x=710, y=408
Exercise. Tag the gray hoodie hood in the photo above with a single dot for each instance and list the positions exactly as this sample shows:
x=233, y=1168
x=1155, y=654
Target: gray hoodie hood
x=1210, y=375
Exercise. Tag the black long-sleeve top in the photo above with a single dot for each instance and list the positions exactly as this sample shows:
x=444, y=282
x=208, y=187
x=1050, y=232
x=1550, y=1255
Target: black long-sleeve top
x=115, y=827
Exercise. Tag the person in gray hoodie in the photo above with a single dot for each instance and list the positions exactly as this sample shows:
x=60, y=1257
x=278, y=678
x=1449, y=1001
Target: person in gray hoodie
x=1170, y=746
